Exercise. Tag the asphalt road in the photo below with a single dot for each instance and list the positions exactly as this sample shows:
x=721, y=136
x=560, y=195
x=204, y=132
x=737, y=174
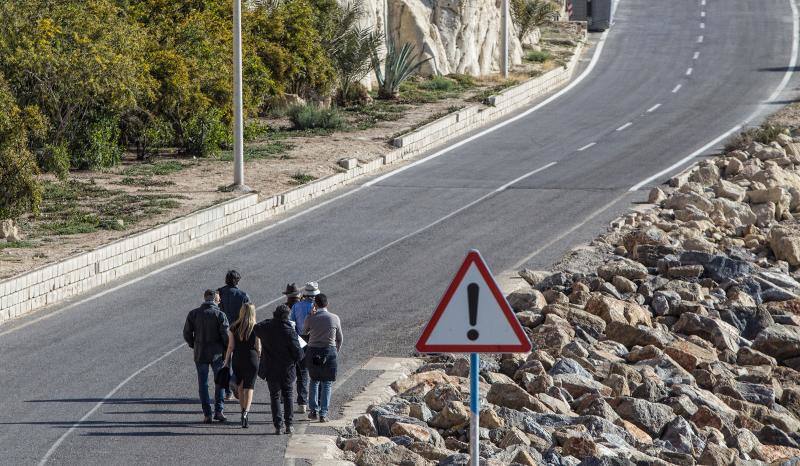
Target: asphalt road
x=107, y=382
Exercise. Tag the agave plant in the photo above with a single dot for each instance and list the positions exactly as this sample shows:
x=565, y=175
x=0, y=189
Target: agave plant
x=398, y=66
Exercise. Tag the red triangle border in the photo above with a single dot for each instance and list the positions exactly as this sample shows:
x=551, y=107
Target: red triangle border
x=474, y=257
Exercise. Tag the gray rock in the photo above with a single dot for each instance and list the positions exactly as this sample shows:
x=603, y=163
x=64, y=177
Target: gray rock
x=721, y=334
x=569, y=366
x=650, y=417
x=683, y=437
x=779, y=341
x=716, y=267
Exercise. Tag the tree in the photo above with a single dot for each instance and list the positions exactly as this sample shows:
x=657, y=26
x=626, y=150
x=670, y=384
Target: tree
x=81, y=63
x=529, y=14
x=21, y=191
x=285, y=38
x=351, y=48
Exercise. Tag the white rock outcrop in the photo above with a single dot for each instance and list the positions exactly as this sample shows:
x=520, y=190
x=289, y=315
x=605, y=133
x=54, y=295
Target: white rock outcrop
x=459, y=36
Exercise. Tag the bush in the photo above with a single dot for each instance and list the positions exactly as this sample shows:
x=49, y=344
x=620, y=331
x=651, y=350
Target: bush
x=101, y=148
x=205, y=134
x=55, y=159
x=254, y=130
x=313, y=117
x=439, y=83
x=538, y=56
x=764, y=134
x=21, y=191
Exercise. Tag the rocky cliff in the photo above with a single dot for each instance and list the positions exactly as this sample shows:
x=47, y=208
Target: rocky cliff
x=459, y=36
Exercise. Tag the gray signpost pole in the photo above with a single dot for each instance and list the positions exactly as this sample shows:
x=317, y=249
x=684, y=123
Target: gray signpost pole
x=474, y=408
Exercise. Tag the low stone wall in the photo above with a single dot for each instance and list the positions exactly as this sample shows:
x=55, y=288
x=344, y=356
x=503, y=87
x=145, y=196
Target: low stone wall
x=53, y=283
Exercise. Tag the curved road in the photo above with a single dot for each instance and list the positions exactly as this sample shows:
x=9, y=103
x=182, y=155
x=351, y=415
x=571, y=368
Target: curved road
x=106, y=380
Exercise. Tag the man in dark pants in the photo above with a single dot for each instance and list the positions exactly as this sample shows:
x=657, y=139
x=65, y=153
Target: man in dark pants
x=231, y=300
x=206, y=332
x=300, y=311
x=280, y=351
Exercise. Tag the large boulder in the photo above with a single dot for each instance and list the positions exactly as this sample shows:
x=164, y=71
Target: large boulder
x=651, y=417
x=460, y=37
x=779, y=341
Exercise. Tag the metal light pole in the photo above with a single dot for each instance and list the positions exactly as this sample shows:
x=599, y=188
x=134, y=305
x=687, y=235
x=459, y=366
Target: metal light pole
x=505, y=38
x=238, y=124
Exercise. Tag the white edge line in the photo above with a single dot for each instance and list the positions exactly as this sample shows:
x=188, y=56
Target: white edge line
x=595, y=58
x=570, y=86
x=653, y=108
x=72, y=428
x=566, y=233
x=587, y=146
x=626, y=125
x=775, y=94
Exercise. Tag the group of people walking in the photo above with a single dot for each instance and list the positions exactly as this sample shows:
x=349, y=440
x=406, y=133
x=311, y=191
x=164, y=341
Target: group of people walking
x=297, y=348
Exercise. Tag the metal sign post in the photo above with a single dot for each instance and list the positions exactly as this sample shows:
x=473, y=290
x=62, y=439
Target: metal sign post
x=473, y=317
x=474, y=410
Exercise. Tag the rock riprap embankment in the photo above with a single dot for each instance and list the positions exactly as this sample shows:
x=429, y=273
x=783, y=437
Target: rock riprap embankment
x=682, y=348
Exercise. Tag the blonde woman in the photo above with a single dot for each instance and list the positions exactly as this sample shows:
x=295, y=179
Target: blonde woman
x=243, y=353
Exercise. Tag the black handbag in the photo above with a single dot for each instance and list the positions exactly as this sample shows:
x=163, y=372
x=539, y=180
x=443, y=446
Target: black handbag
x=223, y=378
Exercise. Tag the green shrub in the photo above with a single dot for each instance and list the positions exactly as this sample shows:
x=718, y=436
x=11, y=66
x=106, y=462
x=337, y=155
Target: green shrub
x=313, y=117
x=254, y=130
x=439, y=83
x=465, y=81
x=538, y=56
x=763, y=134
x=21, y=191
x=205, y=134
x=55, y=159
x=529, y=14
x=398, y=66
x=101, y=148
x=156, y=134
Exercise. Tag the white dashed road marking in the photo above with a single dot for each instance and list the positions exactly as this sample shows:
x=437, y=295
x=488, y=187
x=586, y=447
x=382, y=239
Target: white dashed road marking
x=689, y=71
x=624, y=126
x=587, y=146
x=677, y=88
x=702, y=25
x=653, y=108
x=699, y=39
x=696, y=56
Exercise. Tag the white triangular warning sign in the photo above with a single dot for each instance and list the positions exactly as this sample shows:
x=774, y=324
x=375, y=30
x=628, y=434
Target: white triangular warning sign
x=473, y=316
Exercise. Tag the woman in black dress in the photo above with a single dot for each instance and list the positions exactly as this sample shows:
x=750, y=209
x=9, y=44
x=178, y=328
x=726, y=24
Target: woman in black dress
x=243, y=352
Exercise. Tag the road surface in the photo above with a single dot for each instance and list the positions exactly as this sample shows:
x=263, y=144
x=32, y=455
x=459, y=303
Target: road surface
x=107, y=382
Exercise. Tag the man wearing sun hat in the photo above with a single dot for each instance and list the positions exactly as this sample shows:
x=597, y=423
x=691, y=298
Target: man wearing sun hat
x=300, y=311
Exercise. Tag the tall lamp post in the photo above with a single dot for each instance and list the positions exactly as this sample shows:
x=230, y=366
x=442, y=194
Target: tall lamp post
x=238, y=123
x=505, y=21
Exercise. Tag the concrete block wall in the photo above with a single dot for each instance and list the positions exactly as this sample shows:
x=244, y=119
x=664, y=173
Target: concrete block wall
x=56, y=282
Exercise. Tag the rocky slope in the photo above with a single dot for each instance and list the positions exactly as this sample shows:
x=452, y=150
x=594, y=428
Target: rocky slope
x=682, y=347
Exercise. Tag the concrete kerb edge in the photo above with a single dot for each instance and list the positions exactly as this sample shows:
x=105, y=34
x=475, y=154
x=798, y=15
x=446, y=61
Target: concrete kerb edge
x=321, y=449
x=50, y=284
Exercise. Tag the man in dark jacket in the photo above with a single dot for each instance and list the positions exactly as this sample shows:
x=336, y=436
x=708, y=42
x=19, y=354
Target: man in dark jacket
x=280, y=351
x=206, y=332
x=231, y=299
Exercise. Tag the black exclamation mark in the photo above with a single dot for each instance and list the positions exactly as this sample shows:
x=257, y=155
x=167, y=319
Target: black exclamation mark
x=472, y=300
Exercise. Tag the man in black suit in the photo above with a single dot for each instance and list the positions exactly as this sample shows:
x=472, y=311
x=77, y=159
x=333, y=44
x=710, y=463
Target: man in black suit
x=206, y=332
x=280, y=351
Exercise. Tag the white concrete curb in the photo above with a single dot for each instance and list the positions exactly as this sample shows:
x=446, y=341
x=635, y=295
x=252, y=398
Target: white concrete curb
x=321, y=449
x=54, y=283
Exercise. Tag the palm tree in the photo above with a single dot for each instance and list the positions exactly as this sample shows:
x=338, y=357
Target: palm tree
x=529, y=14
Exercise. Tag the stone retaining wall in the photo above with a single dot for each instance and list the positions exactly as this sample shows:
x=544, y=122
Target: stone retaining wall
x=53, y=283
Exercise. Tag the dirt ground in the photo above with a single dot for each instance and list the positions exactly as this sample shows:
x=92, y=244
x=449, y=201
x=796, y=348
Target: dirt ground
x=97, y=207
